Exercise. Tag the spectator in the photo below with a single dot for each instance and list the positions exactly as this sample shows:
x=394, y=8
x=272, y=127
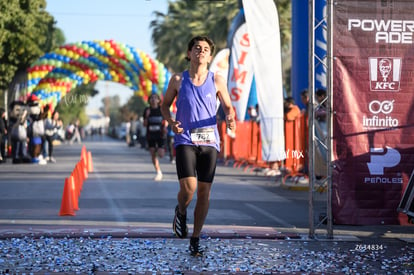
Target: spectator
x=3, y=135
x=257, y=113
x=52, y=126
x=142, y=133
x=291, y=110
x=18, y=131
x=36, y=131
x=320, y=111
x=321, y=133
x=252, y=114
x=76, y=137
x=127, y=132
x=304, y=97
x=132, y=132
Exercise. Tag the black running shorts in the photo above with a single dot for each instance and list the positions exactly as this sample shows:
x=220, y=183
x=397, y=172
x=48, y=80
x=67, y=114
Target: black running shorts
x=156, y=143
x=196, y=161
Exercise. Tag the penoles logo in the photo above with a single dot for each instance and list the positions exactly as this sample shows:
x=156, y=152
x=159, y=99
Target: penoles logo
x=384, y=74
x=381, y=160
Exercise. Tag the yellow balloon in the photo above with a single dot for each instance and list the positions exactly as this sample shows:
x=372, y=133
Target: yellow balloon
x=107, y=46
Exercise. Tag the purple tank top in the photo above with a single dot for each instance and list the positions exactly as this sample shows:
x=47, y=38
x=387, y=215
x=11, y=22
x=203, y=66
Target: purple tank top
x=196, y=110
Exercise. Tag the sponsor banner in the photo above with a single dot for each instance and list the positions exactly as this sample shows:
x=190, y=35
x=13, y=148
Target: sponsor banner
x=240, y=75
x=263, y=28
x=373, y=106
x=220, y=65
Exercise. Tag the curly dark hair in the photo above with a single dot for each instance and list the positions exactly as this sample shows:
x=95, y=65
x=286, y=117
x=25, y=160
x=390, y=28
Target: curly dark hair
x=201, y=38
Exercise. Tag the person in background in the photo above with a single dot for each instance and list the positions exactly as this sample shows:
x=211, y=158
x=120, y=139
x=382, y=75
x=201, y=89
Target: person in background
x=251, y=111
x=170, y=143
x=196, y=140
x=257, y=113
x=132, y=132
x=156, y=132
x=320, y=111
x=127, y=132
x=18, y=132
x=142, y=133
x=291, y=110
x=321, y=133
x=3, y=135
x=52, y=125
x=36, y=130
x=304, y=97
x=76, y=136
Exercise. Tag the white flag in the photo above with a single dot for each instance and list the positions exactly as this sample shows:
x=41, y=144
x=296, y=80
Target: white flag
x=263, y=29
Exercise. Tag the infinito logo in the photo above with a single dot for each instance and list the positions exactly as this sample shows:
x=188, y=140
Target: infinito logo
x=381, y=159
x=375, y=121
x=384, y=107
x=384, y=73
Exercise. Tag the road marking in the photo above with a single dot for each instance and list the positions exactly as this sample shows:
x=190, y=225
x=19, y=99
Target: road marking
x=270, y=216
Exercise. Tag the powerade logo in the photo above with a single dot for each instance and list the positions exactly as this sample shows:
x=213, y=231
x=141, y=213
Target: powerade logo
x=380, y=160
x=380, y=118
x=386, y=31
x=384, y=74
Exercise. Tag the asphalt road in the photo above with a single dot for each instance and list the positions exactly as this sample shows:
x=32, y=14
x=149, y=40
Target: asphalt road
x=121, y=188
x=254, y=224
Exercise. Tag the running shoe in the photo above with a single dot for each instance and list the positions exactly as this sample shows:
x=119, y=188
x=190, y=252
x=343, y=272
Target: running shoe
x=158, y=177
x=180, y=224
x=195, y=248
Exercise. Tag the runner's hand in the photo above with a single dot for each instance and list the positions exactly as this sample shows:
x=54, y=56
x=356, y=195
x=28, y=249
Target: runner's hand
x=231, y=122
x=175, y=126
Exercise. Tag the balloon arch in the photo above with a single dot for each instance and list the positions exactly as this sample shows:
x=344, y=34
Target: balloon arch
x=56, y=73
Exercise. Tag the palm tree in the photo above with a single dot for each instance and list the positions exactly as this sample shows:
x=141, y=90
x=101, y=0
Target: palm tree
x=187, y=18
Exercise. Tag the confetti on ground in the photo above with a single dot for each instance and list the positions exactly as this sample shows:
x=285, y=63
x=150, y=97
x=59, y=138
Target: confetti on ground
x=29, y=255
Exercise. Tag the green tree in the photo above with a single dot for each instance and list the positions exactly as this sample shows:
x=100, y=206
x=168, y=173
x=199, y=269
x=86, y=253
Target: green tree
x=134, y=107
x=112, y=108
x=72, y=106
x=27, y=31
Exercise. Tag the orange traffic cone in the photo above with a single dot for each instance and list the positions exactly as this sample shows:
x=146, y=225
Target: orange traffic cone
x=76, y=180
x=66, y=207
x=79, y=175
x=84, y=169
x=90, y=163
x=74, y=193
x=84, y=155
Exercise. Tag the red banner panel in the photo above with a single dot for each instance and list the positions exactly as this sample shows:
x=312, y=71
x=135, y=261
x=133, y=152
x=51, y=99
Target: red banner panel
x=373, y=109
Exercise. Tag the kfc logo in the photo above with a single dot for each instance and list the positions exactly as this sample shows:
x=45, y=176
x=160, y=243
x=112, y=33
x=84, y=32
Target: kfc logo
x=384, y=73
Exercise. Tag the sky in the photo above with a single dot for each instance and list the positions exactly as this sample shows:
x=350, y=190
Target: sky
x=125, y=21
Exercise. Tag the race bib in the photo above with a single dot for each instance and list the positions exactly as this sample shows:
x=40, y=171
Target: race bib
x=202, y=136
